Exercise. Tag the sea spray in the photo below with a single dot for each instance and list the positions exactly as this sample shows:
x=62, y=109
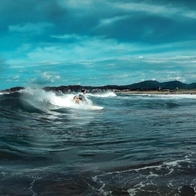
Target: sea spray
x=56, y=99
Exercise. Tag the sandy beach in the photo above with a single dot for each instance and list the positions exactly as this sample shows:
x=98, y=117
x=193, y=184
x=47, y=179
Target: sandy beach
x=190, y=92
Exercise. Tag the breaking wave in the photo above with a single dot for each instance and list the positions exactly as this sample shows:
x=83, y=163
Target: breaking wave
x=55, y=99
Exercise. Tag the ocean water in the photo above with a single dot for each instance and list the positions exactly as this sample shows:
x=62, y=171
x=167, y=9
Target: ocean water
x=137, y=145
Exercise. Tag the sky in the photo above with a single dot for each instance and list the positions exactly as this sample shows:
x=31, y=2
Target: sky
x=96, y=42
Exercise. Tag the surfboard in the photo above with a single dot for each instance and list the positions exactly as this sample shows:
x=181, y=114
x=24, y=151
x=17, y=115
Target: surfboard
x=94, y=107
x=87, y=106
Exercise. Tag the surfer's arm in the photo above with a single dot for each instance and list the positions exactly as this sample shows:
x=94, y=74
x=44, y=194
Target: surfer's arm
x=84, y=99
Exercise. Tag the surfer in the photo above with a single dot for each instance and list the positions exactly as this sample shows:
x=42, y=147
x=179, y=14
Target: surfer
x=80, y=97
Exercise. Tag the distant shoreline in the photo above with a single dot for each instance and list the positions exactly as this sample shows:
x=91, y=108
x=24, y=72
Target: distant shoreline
x=65, y=89
x=155, y=92
x=145, y=87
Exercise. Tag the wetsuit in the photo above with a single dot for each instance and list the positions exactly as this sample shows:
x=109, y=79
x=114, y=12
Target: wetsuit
x=81, y=97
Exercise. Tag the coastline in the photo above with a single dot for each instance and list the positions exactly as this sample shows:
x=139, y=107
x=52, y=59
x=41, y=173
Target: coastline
x=155, y=92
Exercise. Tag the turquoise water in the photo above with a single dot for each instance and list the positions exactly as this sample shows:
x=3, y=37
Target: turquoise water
x=135, y=145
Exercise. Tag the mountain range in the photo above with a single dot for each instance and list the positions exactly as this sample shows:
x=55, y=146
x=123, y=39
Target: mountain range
x=141, y=86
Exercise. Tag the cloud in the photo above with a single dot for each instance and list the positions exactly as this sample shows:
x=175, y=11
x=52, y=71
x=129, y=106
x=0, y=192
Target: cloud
x=75, y=4
x=110, y=21
x=30, y=11
x=86, y=48
x=3, y=65
x=148, y=23
x=75, y=47
x=50, y=77
x=70, y=37
x=130, y=39
x=125, y=21
x=38, y=28
x=165, y=10
x=1, y=62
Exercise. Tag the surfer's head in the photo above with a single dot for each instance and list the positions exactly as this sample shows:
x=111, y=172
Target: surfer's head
x=83, y=90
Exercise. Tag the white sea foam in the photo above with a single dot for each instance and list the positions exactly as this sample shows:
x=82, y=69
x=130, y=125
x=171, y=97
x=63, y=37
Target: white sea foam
x=4, y=93
x=60, y=100
x=178, y=96
x=166, y=96
x=106, y=94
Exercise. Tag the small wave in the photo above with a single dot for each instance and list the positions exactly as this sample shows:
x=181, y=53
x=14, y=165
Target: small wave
x=148, y=178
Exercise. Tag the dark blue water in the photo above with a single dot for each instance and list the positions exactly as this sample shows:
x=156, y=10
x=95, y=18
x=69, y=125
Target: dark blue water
x=136, y=145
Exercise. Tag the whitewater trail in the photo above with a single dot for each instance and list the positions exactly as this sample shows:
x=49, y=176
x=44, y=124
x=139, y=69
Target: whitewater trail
x=60, y=100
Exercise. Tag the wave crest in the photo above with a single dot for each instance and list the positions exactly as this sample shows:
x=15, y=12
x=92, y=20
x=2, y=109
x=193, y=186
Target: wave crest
x=55, y=99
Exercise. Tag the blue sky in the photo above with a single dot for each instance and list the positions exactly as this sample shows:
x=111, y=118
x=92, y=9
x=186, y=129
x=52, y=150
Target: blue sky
x=96, y=42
